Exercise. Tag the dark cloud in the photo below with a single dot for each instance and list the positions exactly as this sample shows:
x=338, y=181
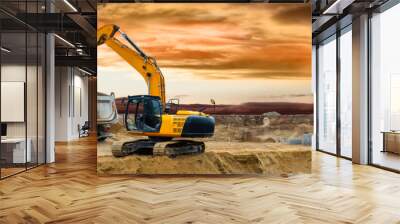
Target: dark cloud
x=267, y=74
x=292, y=15
x=144, y=12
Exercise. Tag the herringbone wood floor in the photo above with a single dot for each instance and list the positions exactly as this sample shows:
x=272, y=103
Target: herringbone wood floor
x=69, y=191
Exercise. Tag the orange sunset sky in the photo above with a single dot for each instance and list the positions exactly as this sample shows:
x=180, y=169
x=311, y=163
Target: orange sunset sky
x=233, y=53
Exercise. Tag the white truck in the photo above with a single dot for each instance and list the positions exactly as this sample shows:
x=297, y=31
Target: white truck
x=107, y=115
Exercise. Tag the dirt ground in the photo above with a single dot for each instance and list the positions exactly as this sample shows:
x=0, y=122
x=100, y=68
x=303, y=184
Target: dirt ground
x=219, y=158
x=236, y=148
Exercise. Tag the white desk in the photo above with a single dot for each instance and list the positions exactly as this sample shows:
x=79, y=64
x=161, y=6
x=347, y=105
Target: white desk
x=18, y=149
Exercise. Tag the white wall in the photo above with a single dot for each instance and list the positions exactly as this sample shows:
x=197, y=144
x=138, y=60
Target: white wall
x=16, y=73
x=80, y=111
x=70, y=84
x=12, y=73
x=62, y=82
x=33, y=127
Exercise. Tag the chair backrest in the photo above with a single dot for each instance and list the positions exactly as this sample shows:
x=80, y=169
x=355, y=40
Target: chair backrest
x=86, y=125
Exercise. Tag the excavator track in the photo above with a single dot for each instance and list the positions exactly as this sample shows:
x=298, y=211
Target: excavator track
x=171, y=149
x=178, y=147
x=140, y=147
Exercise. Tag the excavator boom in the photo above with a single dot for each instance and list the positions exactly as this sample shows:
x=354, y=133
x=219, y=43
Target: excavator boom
x=145, y=65
x=148, y=115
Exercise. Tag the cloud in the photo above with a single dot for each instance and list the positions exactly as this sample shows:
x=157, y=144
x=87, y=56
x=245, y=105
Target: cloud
x=294, y=14
x=180, y=96
x=217, y=41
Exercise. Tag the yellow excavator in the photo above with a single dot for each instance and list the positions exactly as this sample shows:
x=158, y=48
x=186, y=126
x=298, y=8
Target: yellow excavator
x=168, y=133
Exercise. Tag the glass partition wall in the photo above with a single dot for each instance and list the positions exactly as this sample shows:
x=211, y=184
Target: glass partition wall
x=345, y=108
x=13, y=90
x=385, y=89
x=334, y=93
x=22, y=77
x=326, y=59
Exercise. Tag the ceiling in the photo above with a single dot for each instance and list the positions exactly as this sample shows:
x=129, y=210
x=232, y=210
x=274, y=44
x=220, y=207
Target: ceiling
x=74, y=22
x=328, y=16
x=204, y=1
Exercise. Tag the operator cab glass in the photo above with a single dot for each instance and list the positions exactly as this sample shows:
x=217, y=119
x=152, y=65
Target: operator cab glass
x=143, y=113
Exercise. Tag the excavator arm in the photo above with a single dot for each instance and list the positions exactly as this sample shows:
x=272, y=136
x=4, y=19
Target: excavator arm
x=145, y=65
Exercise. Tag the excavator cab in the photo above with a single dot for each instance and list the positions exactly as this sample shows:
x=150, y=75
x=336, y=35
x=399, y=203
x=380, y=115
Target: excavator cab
x=143, y=113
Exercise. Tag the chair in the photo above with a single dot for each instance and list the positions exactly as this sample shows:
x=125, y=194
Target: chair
x=84, y=130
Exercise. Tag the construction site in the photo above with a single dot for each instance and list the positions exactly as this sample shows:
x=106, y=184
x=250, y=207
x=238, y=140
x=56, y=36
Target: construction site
x=154, y=133
x=269, y=144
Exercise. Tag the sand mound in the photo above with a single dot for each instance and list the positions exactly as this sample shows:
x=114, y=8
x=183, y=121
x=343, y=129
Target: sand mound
x=219, y=158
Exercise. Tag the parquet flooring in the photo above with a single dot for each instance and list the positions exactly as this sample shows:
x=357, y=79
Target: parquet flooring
x=69, y=191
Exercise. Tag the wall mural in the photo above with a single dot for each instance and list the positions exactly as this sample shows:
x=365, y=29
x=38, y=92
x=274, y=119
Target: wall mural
x=204, y=88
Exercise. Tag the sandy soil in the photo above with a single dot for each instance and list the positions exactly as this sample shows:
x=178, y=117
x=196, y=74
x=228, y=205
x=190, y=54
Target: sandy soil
x=236, y=148
x=219, y=158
